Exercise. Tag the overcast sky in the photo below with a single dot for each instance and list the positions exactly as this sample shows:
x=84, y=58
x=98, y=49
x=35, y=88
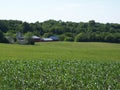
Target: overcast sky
x=66, y=10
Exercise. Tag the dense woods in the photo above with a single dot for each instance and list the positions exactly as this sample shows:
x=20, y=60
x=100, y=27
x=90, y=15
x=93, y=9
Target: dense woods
x=66, y=31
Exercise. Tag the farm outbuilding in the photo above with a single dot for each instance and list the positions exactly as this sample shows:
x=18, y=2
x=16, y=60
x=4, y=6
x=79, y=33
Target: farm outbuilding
x=36, y=38
x=54, y=38
x=47, y=39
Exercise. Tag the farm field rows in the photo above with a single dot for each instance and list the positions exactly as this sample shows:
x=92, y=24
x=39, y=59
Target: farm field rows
x=60, y=66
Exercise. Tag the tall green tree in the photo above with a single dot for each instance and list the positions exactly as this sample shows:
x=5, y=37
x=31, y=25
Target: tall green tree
x=28, y=38
x=2, y=38
x=26, y=27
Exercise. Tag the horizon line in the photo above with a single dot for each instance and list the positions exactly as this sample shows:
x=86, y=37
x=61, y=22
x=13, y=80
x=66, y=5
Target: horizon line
x=60, y=20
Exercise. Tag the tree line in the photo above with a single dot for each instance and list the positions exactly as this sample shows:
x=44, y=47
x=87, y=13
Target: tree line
x=90, y=31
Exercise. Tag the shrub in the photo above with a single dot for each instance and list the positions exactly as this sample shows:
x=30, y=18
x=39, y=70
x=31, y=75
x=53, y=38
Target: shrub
x=80, y=37
x=29, y=39
x=68, y=39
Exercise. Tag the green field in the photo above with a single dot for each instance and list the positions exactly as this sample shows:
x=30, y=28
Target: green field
x=60, y=66
x=61, y=50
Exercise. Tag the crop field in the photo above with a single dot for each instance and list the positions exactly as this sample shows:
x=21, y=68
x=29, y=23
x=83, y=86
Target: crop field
x=60, y=66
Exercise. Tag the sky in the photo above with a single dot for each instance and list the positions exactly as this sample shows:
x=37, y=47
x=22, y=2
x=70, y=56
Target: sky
x=103, y=11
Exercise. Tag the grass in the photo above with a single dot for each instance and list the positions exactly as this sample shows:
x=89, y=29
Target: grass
x=60, y=66
x=61, y=50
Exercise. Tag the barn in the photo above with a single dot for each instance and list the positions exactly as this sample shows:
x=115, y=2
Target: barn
x=36, y=38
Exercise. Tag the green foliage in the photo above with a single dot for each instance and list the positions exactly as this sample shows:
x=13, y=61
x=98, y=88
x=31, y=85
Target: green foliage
x=59, y=75
x=26, y=27
x=10, y=36
x=3, y=26
x=28, y=38
x=61, y=37
x=110, y=37
x=93, y=31
x=81, y=37
x=117, y=37
x=68, y=39
x=60, y=66
x=2, y=38
x=47, y=35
